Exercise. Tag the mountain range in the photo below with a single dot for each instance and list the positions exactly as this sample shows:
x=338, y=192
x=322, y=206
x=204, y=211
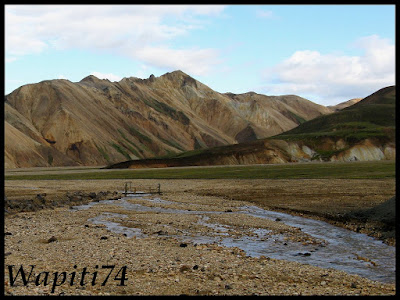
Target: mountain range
x=364, y=131
x=98, y=122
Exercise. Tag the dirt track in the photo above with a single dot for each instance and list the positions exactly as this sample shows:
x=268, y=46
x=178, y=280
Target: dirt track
x=158, y=265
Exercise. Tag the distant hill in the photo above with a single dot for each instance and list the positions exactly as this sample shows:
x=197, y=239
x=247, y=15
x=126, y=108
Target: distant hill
x=363, y=131
x=345, y=104
x=99, y=122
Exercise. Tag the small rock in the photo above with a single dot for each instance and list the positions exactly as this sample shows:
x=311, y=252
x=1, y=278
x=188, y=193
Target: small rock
x=7, y=233
x=303, y=254
x=52, y=239
x=41, y=197
x=217, y=278
x=228, y=287
x=278, y=219
x=183, y=245
x=161, y=232
x=184, y=268
x=104, y=238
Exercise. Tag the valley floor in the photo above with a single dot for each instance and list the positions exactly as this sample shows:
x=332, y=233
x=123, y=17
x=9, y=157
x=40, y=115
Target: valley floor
x=58, y=239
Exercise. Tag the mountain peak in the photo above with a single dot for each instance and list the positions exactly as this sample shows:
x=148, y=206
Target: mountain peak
x=181, y=78
x=178, y=72
x=90, y=78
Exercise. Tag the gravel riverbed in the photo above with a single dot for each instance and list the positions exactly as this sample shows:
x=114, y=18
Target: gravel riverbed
x=155, y=254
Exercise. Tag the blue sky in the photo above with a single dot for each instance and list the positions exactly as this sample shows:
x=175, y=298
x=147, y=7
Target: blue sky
x=325, y=53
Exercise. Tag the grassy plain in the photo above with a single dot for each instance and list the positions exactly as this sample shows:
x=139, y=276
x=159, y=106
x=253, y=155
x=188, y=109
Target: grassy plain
x=316, y=170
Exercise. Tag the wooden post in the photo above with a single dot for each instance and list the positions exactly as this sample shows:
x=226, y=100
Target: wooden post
x=126, y=187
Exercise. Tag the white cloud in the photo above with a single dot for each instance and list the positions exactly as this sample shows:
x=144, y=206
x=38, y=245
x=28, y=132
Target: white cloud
x=10, y=59
x=330, y=78
x=194, y=61
x=109, y=76
x=119, y=29
x=266, y=14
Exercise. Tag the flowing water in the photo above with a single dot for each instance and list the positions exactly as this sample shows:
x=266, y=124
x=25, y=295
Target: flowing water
x=344, y=250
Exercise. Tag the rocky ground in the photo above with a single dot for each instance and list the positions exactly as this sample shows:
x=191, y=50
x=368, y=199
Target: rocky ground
x=55, y=239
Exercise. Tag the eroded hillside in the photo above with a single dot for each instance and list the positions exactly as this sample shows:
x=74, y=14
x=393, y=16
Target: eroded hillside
x=98, y=122
x=364, y=131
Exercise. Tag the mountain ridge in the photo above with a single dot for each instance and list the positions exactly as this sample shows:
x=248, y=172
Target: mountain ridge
x=360, y=132
x=98, y=122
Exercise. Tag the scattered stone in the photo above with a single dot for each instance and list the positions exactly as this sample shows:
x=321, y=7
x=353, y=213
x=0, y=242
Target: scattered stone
x=228, y=287
x=52, y=239
x=41, y=197
x=184, y=268
x=161, y=232
x=103, y=238
x=278, y=219
x=182, y=245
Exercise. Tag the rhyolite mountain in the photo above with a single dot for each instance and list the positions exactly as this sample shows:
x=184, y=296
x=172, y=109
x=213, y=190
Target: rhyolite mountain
x=364, y=131
x=99, y=122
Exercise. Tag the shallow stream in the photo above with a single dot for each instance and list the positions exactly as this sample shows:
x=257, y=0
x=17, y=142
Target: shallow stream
x=344, y=250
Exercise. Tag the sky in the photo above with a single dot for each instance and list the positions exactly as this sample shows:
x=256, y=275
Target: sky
x=327, y=54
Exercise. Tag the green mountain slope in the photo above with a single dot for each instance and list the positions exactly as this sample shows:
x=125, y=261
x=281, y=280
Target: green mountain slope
x=372, y=117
